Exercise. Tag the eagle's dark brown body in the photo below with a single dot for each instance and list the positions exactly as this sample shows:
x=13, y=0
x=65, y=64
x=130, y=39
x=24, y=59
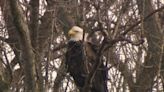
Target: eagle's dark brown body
x=80, y=59
x=75, y=62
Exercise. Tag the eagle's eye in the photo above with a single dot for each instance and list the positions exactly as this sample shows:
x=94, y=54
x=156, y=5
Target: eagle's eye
x=76, y=31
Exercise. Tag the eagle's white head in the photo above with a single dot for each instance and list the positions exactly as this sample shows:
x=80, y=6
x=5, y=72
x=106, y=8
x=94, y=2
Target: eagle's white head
x=76, y=33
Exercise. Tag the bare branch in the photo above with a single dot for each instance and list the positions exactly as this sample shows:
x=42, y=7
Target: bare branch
x=148, y=16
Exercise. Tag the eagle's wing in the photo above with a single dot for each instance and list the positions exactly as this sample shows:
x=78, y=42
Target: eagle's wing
x=75, y=62
x=80, y=59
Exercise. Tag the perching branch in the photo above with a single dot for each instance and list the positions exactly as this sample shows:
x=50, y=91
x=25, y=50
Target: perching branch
x=61, y=46
x=3, y=39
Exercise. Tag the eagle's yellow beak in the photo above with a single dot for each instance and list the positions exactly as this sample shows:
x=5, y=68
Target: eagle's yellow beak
x=71, y=33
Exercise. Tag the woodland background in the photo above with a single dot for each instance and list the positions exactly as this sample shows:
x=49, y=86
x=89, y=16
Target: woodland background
x=33, y=38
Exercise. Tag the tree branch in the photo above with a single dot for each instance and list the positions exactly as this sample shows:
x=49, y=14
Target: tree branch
x=148, y=16
x=3, y=39
x=25, y=43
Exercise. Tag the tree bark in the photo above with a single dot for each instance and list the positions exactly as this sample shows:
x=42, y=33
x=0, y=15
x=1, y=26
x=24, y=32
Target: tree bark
x=34, y=26
x=144, y=82
x=162, y=61
x=25, y=44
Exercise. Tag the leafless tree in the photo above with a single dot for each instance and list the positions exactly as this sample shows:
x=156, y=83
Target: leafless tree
x=33, y=41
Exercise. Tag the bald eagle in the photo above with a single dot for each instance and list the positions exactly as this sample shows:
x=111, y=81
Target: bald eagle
x=80, y=58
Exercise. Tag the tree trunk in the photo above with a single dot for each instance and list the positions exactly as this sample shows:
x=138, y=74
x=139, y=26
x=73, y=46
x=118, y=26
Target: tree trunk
x=34, y=26
x=145, y=80
x=27, y=54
